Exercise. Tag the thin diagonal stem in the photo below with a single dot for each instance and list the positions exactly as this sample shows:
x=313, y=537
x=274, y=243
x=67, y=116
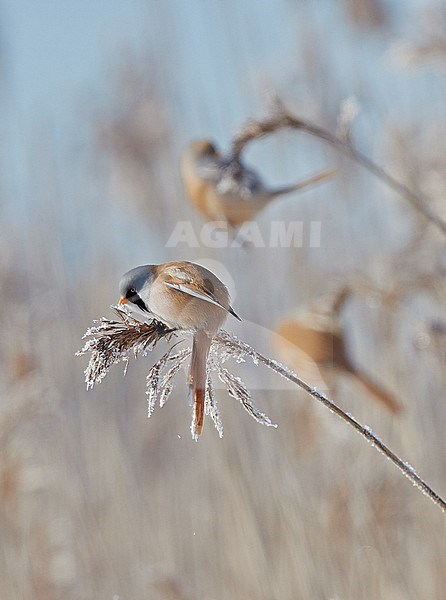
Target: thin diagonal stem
x=230, y=342
x=255, y=129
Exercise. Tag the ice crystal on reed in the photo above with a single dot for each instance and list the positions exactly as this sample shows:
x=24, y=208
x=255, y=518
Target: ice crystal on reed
x=210, y=407
x=237, y=389
x=160, y=388
x=112, y=341
x=168, y=379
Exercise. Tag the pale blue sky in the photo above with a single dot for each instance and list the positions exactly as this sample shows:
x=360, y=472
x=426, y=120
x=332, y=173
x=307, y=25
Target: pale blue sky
x=216, y=59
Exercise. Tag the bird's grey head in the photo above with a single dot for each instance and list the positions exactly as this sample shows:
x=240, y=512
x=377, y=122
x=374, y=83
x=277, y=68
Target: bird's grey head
x=132, y=284
x=202, y=148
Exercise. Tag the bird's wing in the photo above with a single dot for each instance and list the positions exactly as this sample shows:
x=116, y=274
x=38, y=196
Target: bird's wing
x=201, y=294
x=183, y=281
x=236, y=179
x=209, y=170
x=192, y=291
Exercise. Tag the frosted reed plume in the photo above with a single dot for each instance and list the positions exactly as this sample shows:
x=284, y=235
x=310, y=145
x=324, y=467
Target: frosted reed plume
x=111, y=342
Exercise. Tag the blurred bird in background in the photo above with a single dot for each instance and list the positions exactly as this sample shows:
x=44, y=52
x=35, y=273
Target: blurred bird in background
x=185, y=296
x=224, y=189
x=317, y=336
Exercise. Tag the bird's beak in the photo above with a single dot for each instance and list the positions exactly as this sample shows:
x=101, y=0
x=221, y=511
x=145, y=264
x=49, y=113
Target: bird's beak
x=122, y=301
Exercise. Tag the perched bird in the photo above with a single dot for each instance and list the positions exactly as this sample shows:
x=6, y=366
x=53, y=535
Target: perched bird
x=317, y=335
x=225, y=189
x=183, y=296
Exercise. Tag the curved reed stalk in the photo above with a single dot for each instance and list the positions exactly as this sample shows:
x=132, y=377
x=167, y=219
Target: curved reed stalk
x=282, y=119
x=111, y=341
x=232, y=344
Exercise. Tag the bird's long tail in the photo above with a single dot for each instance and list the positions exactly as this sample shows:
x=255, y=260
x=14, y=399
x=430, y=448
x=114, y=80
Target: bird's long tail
x=197, y=377
x=304, y=183
x=377, y=392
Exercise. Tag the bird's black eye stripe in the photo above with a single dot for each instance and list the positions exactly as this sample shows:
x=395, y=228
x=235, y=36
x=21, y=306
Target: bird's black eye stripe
x=137, y=300
x=133, y=297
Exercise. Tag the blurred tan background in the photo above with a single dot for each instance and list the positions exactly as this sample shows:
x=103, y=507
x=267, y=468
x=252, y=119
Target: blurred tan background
x=97, y=104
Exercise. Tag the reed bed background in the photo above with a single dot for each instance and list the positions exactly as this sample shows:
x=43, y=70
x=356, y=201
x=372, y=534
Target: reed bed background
x=98, y=502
